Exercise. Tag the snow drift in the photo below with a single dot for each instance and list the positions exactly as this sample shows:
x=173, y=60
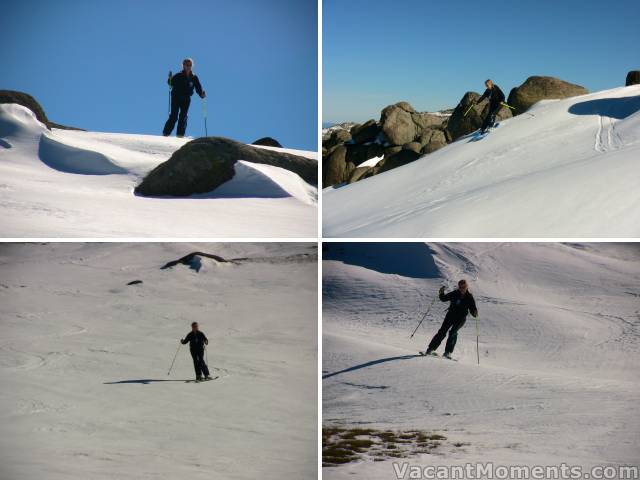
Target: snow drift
x=566, y=168
x=558, y=379
x=88, y=332
x=80, y=184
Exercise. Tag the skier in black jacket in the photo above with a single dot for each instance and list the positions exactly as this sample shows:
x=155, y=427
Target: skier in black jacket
x=182, y=85
x=197, y=340
x=496, y=97
x=462, y=303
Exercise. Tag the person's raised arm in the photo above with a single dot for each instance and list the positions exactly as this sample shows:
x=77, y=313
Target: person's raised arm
x=199, y=90
x=186, y=339
x=486, y=94
x=443, y=297
x=473, y=308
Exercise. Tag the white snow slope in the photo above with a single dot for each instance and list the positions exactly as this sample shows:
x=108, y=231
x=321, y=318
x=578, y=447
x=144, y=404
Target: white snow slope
x=558, y=379
x=84, y=361
x=569, y=171
x=67, y=183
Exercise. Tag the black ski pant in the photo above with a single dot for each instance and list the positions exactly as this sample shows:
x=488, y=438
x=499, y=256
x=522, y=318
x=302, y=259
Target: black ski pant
x=451, y=324
x=198, y=363
x=490, y=118
x=179, y=111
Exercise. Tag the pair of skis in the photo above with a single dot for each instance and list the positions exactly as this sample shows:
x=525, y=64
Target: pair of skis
x=434, y=354
x=202, y=380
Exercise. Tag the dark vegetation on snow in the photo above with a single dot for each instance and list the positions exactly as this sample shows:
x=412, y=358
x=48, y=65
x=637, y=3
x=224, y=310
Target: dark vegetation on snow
x=26, y=100
x=344, y=445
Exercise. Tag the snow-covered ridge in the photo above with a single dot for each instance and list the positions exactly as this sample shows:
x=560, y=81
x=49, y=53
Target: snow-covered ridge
x=566, y=168
x=75, y=183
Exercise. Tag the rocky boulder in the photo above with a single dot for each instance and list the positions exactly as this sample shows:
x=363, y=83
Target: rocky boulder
x=267, y=142
x=357, y=153
x=336, y=138
x=335, y=168
x=26, y=100
x=367, y=132
x=397, y=160
x=633, y=78
x=538, y=88
x=206, y=163
x=397, y=124
x=432, y=140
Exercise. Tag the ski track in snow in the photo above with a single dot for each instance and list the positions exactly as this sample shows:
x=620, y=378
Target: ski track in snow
x=559, y=348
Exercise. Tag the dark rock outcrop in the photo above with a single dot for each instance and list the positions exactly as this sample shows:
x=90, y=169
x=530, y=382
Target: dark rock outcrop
x=397, y=124
x=26, y=100
x=397, y=160
x=206, y=163
x=335, y=168
x=357, y=154
x=188, y=259
x=134, y=282
x=367, y=132
x=267, y=142
x=538, y=88
x=336, y=138
x=633, y=78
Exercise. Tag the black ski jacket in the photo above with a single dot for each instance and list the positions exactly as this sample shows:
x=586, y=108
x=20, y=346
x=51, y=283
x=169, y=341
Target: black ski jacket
x=183, y=85
x=196, y=340
x=494, y=95
x=460, y=305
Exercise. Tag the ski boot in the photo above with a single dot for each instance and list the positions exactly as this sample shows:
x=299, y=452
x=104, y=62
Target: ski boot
x=447, y=355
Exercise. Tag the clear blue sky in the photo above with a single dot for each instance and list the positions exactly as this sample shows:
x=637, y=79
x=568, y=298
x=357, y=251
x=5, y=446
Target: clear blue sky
x=102, y=64
x=429, y=53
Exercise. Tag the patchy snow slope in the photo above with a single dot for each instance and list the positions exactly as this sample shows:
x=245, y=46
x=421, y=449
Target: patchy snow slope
x=558, y=379
x=569, y=171
x=80, y=184
x=84, y=361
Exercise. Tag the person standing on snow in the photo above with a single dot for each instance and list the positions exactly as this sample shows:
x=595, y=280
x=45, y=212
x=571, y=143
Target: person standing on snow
x=197, y=341
x=182, y=85
x=496, y=97
x=462, y=303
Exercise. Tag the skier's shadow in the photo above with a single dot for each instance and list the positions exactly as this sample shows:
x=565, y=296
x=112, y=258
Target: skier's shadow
x=144, y=381
x=370, y=364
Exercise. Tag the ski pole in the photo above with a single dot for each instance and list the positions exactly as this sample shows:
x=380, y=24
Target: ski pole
x=469, y=109
x=478, y=340
x=424, y=316
x=169, y=82
x=514, y=108
x=174, y=359
x=204, y=111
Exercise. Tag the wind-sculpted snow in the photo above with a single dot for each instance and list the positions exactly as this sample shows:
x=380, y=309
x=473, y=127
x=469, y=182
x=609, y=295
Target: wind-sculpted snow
x=559, y=348
x=80, y=184
x=565, y=168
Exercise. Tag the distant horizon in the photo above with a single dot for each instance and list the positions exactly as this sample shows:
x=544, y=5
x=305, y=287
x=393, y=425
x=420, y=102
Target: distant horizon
x=440, y=51
x=102, y=66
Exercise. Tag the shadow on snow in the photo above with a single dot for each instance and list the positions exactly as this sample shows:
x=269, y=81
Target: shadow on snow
x=370, y=364
x=144, y=381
